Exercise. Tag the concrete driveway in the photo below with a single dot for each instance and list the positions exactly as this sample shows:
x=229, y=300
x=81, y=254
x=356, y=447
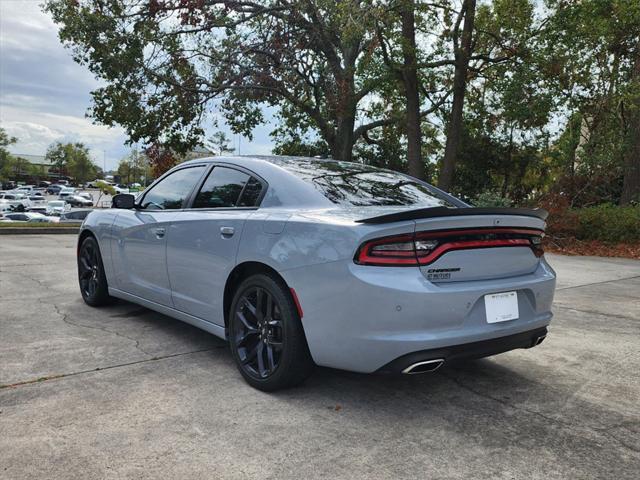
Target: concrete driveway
x=123, y=392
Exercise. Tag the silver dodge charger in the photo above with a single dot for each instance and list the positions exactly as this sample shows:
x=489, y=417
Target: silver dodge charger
x=300, y=262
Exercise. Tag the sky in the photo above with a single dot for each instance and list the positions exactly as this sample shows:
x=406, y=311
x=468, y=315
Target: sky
x=44, y=94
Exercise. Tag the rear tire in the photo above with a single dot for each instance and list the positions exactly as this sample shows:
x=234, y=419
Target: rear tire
x=266, y=336
x=91, y=277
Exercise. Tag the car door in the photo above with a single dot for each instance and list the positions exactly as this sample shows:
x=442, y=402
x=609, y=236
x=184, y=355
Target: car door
x=203, y=240
x=139, y=247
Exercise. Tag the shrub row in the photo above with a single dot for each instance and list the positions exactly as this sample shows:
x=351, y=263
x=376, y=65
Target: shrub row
x=609, y=223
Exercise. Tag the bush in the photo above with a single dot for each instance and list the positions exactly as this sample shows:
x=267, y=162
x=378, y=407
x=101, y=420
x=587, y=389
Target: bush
x=609, y=223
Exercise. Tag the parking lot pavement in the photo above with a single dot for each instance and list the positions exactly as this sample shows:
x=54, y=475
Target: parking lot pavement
x=123, y=392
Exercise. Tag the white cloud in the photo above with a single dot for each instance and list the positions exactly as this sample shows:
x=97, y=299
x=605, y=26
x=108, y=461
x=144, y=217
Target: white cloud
x=44, y=94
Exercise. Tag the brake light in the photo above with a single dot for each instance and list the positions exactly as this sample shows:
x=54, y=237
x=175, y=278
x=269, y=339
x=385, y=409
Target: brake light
x=423, y=248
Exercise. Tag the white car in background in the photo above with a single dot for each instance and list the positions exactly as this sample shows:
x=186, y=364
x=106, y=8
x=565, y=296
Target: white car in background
x=16, y=198
x=30, y=217
x=26, y=189
x=66, y=191
x=121, y=188
x=57, y=207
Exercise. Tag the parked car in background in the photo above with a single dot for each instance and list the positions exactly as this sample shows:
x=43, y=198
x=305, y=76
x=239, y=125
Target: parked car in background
x=57, y=207
x=75, y=216
x=78, y=201
x=54, y=189
x=44, y=184
x=39, y=208
x=10, y=185
x=65, y=192
x=296, y=261
x=63, y=182
x=16, y=198
x=86, y=195
x=37, y=199
x=26, y=189
x=31, y=217
x=94, y=183
x=120, y=188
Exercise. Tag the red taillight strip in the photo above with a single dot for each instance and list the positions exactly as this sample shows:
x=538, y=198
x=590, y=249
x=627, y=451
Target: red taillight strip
x=464, y=245
x=405, y=258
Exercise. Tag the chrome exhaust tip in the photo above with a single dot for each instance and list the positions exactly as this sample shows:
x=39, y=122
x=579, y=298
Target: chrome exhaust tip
x=427, y=366
x=538, y=340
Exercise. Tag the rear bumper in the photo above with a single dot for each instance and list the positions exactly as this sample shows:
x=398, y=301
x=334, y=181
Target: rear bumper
x=468, y=351
x=361, y=318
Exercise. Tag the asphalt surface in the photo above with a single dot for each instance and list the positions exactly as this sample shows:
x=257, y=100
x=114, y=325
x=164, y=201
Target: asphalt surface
x=123, y=392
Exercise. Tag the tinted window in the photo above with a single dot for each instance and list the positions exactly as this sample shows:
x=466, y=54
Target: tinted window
x=251, y=193
x=353, y=184
x=221, y=189
x=173, y=190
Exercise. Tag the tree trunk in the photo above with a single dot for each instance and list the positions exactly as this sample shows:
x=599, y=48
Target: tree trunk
x=454, y=133
x=342, y=145
x=631, y=183
x=410, y=81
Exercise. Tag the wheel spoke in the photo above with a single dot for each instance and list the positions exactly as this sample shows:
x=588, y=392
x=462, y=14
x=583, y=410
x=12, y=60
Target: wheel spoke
x=243, y=338
x=84, y=262
x=250, y=356
x=250, y=307
x=269, y=310
x=261, y=370
x=259, y=300
x=245, y=322
x=270, y=360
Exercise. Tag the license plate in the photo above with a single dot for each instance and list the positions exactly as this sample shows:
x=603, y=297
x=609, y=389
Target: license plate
x=501, y=307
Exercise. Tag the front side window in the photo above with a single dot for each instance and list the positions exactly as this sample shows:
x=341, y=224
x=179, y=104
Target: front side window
x=227, y=187
x=172, y=191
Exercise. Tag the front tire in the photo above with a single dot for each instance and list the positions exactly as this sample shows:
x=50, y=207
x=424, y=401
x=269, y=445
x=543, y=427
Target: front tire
x=91, y=276
x=266, y=336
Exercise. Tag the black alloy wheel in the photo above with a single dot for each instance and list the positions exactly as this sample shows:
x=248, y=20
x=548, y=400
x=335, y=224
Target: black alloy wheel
x=258, y=332
x=93, y=283
x=266, y=335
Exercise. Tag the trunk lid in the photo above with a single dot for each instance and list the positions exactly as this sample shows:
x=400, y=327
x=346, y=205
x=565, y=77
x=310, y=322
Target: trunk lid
x=472, y=243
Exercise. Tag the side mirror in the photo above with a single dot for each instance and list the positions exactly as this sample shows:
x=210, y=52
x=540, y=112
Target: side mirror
x=123, y=200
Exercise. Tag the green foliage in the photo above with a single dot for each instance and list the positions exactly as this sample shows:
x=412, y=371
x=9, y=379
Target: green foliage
x=72, y=159
x=609, y=223
x=220, y=143
x=134, y=168
x=7, y=161
x=491, y=199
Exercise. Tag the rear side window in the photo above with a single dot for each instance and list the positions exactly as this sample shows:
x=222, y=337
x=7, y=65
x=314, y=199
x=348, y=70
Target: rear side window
x=171, y=192
x=353, y=184
x=251, y=193
x=227, y=187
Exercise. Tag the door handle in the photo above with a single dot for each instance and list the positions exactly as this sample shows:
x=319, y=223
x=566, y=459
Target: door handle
x=160, y=232
x=227, y=231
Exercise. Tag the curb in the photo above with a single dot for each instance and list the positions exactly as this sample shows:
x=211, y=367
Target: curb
x=39, y=231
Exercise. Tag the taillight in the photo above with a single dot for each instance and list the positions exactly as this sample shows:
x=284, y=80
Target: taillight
x=398, y=250
x=423, y=248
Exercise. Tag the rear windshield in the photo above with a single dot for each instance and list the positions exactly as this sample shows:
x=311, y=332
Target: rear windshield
x=353, y=184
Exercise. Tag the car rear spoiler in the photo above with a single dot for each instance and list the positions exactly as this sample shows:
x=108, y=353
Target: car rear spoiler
x=435, y=212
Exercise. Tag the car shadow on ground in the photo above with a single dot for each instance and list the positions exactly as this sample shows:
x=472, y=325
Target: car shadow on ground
x=492, y=378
